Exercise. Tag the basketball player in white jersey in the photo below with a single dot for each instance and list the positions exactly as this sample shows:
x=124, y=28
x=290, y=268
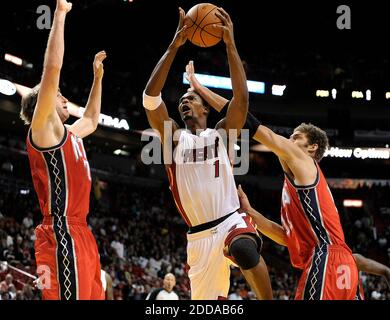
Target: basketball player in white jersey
x=201, y=178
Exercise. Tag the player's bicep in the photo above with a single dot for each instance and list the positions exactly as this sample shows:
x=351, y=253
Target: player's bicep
x=278, y=144
x=236, y=114
x=160, y=121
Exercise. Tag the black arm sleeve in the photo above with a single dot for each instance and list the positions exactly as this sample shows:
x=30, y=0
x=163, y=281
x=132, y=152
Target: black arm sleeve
x=226, y=105
x=251, y=123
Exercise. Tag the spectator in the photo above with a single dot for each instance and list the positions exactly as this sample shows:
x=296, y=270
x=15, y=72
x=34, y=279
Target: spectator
x=235, y=295
x=28, y=221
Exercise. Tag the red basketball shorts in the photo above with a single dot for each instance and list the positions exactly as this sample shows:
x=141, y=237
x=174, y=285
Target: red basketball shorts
x=68, y=262
x=330, y=274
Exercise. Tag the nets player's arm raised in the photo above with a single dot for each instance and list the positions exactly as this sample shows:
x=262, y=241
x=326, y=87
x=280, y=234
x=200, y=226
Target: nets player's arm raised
x=46, y=125
x=238, y=106
x=270, y=229
x=90, y=119
x=213, y=99
x=156, y=109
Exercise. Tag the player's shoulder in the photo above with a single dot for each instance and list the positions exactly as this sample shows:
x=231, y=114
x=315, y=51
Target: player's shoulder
x=211, y=132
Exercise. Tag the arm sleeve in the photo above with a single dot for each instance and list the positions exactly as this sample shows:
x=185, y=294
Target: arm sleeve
x=251, y=123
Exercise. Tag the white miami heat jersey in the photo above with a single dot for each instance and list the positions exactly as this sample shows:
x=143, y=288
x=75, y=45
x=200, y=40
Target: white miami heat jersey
x=201, y=178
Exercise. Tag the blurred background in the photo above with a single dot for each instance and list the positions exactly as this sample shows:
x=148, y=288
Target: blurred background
x=311, y=71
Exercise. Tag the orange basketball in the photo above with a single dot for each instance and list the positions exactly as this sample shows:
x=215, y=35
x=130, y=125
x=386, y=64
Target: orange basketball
x=199, y=20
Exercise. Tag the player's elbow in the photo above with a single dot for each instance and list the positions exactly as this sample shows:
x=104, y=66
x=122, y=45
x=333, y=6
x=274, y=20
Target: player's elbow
x=94, y=124
x=51, y=69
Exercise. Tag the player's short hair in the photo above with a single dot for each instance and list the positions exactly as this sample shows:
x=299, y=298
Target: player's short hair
x=315, y=135
x=28, y=104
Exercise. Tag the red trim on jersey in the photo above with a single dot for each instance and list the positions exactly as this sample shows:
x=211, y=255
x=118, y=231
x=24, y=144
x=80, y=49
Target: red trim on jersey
x=172, y=181
x=40, y=149
x=233, y=232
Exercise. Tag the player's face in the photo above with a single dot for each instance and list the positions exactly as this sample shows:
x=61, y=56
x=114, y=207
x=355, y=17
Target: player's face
x=300, y=139
x=191, y=106
x=62, y=107
x=169, y=282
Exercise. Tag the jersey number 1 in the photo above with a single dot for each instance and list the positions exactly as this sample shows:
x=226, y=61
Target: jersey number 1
x=216, y=165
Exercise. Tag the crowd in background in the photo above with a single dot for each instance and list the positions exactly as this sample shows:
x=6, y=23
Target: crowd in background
x=141, y=236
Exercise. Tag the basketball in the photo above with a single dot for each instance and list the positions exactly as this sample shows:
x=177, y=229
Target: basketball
x=200, y=19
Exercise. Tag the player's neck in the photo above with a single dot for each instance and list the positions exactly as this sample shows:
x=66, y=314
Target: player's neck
x=196, y=127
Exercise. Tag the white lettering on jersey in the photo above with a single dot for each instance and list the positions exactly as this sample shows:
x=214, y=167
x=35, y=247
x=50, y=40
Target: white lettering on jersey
x=285, y=197
x=79, y=152
x=287, y=225
x=202, y=154
x=204, y=177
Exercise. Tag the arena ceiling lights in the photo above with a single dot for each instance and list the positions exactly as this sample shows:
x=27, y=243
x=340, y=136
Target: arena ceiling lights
x=18, y=61
x=356, y=94
x=7, y=87
x=353, y=203
x=225, y=83
x=360, y=94
x=278, y=90
x=326, y=93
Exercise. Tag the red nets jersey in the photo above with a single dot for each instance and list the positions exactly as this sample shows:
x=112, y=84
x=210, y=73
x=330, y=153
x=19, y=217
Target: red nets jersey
x=61, y=177
x=310, y=218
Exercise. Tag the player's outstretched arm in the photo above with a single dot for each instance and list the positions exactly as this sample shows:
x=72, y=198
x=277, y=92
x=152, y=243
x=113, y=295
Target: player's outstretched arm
x=213, y=99
x=238, y=106
x=270, y=229
x=372, y=267
x=90, y=120
x=156, y=109
x=281, y=146
x=46, y=125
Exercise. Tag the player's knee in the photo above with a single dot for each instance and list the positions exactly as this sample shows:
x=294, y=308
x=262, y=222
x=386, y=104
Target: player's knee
x=245, y=253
